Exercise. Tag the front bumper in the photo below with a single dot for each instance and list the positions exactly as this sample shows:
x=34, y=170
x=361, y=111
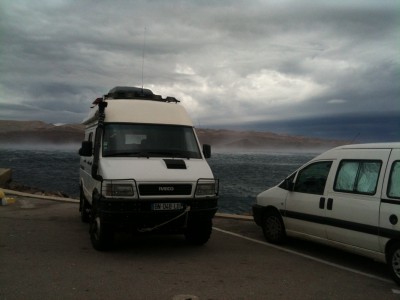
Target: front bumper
x=138, y=214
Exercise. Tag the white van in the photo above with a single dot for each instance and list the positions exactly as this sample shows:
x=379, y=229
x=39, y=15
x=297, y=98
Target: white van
x=347, y=197
x=142, y=169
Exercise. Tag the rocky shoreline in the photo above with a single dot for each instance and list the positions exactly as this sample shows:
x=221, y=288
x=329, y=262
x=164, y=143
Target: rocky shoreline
x=34, y=191
x=7, y=182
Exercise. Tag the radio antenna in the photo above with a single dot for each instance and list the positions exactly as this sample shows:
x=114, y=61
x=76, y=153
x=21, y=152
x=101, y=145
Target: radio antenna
x=354, y=138
x=143, y=51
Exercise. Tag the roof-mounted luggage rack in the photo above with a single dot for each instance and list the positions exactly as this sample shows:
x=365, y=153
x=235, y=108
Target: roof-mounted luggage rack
x=128, y=92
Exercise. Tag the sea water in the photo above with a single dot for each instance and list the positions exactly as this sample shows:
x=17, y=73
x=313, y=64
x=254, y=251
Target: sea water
x=242, y=175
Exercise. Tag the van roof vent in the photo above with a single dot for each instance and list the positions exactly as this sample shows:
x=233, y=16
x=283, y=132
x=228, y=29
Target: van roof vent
x=128, y=92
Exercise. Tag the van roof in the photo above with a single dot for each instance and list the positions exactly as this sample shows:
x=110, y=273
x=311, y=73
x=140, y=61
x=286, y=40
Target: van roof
x=392, y=145
x=128, y=104
x=334, y=152
x=135, y=93
x=141, y=111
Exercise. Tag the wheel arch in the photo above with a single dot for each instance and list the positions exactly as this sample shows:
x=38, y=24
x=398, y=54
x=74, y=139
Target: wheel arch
x=271, y=209
x=260, y=212
x=389, y=245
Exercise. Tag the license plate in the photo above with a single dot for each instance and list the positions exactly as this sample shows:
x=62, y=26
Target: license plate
x=167, y=206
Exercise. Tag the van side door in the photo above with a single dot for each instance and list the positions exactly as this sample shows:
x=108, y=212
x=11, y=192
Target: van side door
x=389, y=221
x=354, y=198
x=305, y=204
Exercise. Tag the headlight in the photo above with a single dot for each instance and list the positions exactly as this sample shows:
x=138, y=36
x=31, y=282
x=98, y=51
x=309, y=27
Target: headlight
x=207, y=188
x=118, y=189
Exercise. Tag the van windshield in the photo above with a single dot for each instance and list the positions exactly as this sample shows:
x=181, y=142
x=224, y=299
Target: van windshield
x=149, y=140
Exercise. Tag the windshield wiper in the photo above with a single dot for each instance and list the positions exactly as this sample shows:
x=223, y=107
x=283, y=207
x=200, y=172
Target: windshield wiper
x=122, y=154
x=180, y=154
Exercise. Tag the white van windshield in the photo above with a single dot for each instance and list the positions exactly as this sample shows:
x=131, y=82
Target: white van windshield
x=149, y=140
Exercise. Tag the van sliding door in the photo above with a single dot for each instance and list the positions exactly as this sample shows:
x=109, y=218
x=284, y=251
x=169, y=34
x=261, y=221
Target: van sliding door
x=354, y=200
x=390, y=203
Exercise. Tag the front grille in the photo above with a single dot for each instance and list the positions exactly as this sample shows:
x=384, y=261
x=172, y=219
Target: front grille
x=165, y=189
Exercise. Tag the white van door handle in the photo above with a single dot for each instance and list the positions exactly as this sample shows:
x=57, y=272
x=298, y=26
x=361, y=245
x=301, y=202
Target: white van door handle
x=322, y=202
x=330, y=204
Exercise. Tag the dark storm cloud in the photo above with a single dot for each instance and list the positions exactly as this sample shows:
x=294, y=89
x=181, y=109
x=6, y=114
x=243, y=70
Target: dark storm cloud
x=250, y=62
x=355, y=128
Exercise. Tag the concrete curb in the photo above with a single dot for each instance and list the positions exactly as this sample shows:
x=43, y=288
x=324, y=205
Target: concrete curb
x=233, y=216
x=52, y=198
x=69, y=200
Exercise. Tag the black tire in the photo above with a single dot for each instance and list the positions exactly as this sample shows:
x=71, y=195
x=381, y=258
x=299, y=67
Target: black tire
x=393, y=261
x=101, y=234
x=84, y=207
x=273, y=228
x=198, y=232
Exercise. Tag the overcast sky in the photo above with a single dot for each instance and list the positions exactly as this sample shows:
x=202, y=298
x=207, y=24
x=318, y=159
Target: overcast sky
x=315, y=68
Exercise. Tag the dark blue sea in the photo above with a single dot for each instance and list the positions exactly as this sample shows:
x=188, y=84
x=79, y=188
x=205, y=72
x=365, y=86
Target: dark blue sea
x=242, y=175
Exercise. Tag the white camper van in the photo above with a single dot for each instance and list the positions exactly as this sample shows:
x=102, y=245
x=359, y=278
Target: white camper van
x=142, y=169
x=347, y=197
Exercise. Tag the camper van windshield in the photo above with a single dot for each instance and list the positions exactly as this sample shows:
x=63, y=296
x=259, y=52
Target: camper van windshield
x=149, y=140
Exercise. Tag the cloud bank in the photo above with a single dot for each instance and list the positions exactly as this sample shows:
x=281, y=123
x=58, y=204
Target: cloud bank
x=231, y=63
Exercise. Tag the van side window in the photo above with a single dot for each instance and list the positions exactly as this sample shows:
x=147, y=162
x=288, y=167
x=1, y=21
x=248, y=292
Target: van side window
x=312, y=179
x=394, y=181
x=357, y=176
x=90, y=137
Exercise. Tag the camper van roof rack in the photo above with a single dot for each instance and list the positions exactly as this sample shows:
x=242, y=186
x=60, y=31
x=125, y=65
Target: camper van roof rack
x=128, y=92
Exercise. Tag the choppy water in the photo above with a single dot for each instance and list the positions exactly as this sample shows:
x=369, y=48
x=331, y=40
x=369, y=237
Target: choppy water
x=242, y=175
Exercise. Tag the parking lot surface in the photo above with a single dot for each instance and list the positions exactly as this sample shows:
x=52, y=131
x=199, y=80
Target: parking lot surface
x=45, y=253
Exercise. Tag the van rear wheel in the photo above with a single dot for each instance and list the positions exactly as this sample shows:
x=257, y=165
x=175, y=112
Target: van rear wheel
x=273, y=228
x=393, y=261
x=198, y=232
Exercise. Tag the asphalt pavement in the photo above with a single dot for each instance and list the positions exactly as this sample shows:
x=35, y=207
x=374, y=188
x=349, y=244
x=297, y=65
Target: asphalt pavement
x=45, y=253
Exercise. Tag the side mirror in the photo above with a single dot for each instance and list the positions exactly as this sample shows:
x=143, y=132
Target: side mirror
x=207, y=151
x=86, y=149
x=288, y=184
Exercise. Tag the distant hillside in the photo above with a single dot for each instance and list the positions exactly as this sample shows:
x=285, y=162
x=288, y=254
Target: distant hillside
x=227, y=139
x=21, y=132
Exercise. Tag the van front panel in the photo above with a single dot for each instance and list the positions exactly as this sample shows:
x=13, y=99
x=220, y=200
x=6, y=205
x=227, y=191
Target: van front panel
x=306, y=203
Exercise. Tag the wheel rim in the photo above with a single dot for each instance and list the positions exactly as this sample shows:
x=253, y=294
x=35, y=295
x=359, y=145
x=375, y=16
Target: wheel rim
x=396, y=262
x=273, y=227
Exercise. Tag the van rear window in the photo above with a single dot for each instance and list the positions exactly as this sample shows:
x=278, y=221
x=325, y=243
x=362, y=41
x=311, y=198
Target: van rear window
x=358, y=176
x=394, y=181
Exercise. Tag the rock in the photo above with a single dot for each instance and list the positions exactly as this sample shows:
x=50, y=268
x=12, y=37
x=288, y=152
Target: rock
x=35, y=191
x=5, y=177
